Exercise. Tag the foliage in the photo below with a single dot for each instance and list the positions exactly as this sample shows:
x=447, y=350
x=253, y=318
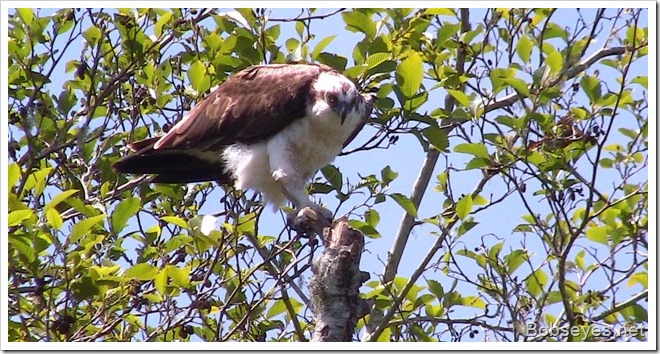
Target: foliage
x=526, y=112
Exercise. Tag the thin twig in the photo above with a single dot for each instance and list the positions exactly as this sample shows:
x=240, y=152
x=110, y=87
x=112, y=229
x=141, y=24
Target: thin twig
x=306, y=18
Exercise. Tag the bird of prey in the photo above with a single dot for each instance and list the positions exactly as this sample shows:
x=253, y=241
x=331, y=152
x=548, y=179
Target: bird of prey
x=268, y=128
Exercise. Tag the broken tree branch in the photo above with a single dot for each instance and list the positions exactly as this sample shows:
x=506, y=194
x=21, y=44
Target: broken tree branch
x=335, y=286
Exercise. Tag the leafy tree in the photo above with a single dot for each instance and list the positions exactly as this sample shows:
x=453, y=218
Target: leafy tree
x=530, y=207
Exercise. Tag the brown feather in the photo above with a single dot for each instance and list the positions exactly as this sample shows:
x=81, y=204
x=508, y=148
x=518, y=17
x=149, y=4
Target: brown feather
x=249, y=107
x=236, y=111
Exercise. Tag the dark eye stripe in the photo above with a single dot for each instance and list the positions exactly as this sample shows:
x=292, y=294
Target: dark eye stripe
x=331, y=98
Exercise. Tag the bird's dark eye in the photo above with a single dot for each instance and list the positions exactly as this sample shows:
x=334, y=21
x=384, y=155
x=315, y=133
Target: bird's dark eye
x=331, y=98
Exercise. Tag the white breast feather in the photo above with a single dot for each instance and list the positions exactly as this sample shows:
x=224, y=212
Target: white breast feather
x=298, y=151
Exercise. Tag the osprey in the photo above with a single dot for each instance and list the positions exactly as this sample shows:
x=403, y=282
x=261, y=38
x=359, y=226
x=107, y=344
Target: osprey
x=268, y=128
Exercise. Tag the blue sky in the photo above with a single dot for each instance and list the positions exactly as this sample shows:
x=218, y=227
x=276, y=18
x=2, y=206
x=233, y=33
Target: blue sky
x=406, y=158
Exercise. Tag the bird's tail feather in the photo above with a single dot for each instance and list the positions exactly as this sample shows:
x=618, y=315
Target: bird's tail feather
x=174, y=166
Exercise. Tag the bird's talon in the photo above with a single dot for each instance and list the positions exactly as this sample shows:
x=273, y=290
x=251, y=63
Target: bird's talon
x=311, y=218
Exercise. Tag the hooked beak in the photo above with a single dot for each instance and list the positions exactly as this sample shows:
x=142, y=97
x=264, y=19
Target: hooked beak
x=342, y=109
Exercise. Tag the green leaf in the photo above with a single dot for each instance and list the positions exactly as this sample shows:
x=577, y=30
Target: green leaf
x=357, y=21
x=125, y=210
x=372, y=217
x=524, y=48
x=598, y=234
x=321, y=45
x=610, y=99
x=579, y=259
x=641, y=80
x=333, y=175
x=66, y=101
x=165, y=18
x=555, y=61
x=16, y=217
x=84, y=288
x=606, y=163
x=472, y=301
x=591, y=86
x=277, y=308
x=498, y=75
x=413, y=103
x=405, y=203
x=26, y=14
x=554, y=30
x=59, y=199
x=641, y=278
x=142, y=271
x=494, y=252
x=409, y=74
x=475, y=149
x=640, y=314
x=461, y=98
x=424, y=299
x=54, y=218
x=466, y=226
x=92, y=35
x=100, y=111
x=376, y=59
x=445, y=32
x=337, y=62
x=292, y=44
x=160, y=282
x=435, y=288
x=300, y=28
x=247, y=224
x=24, y=246
x=13, y=175
x=272, y=32
x=442, y=12
x=518, y=84
x=479, y=200
x=470, y=36
x=246, y=18
x=180, y=276
x=464, y=207
x=387, y=175
x=514, y=260
x=477, y=162
x=367, y=229
x=176, y=221
x=554, y=296
x=37, y=180
x=355, y=71
x=632, y=134
x=536, y=282
x=198, y=77
x=436, y=137
x=82, y=227
x=634, y=34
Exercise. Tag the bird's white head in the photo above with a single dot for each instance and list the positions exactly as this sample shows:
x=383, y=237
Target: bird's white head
x=336, y=92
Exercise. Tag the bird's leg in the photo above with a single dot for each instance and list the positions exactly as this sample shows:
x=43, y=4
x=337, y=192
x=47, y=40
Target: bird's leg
x=294, y=190
x=284, y=171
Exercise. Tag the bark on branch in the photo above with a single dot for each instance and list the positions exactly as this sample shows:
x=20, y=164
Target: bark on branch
x=335, y=285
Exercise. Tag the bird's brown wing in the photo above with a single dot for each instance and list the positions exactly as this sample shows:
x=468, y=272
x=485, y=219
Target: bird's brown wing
x=250, y=106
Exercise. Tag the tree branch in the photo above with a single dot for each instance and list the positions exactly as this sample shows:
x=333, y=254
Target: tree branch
x=306, y=18
x=618, y=307
x=570, y=73
x=423, y=179
x=335, y=286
